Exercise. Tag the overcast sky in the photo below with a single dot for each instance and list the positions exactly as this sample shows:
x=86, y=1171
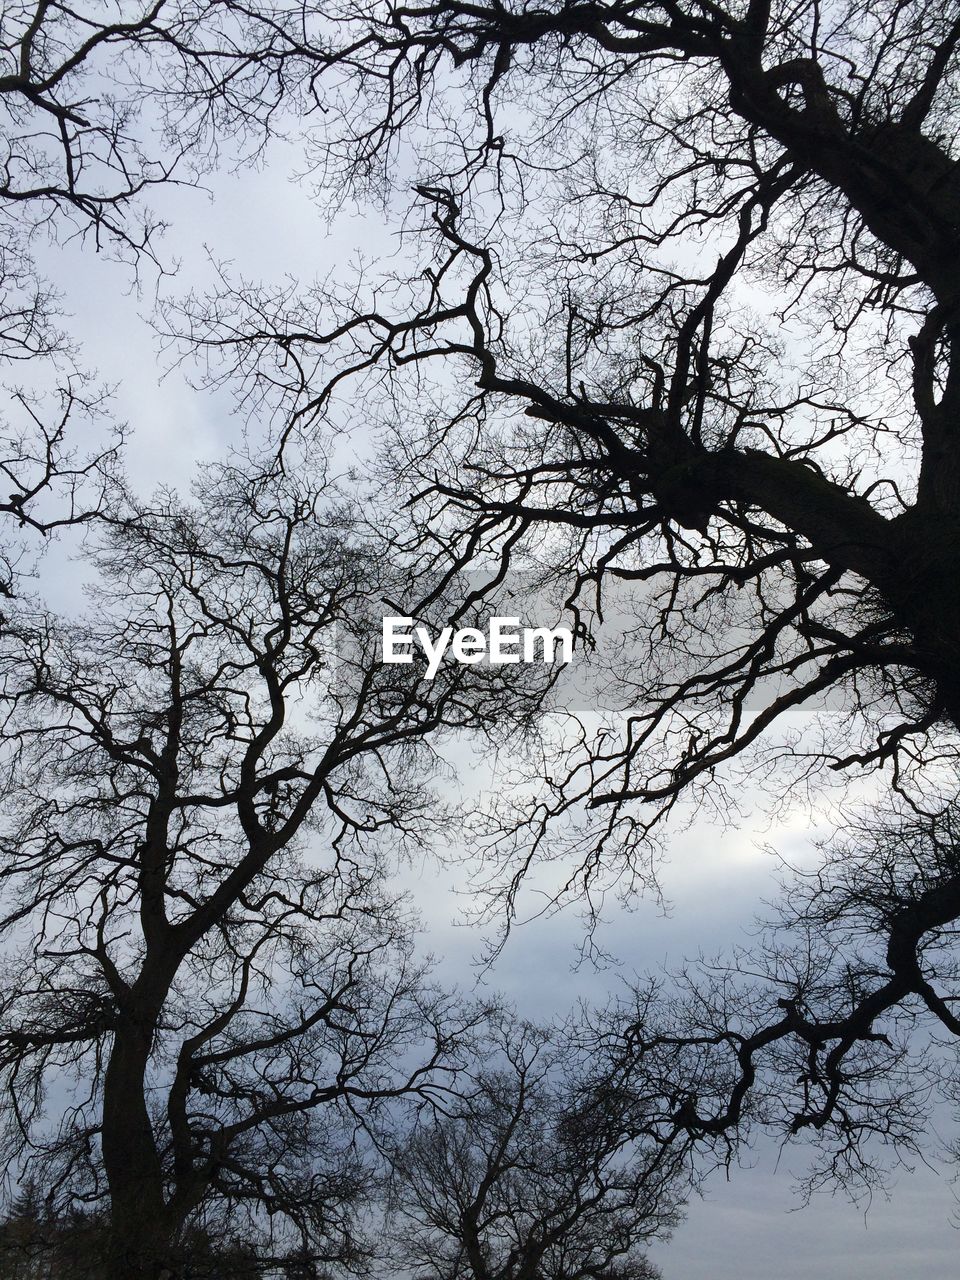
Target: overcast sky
x=747, y=1228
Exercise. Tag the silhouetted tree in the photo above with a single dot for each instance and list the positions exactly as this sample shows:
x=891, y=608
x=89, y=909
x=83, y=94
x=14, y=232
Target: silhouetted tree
x=101, y=103
x=37, y=1245
x=206, y=780
x=837, y=1025
x=98, y=105
x=688, y=330
x=507, y=1182
x=53, y=473
x=692, y=303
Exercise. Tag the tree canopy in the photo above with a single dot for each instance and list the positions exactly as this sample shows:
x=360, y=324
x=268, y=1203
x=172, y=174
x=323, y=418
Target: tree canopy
x=683, y=329
x=673, y=336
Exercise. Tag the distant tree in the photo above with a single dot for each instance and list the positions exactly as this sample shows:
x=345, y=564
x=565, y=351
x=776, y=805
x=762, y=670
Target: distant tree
x=37, y=1245
x=505, y=1181
x=206, y=779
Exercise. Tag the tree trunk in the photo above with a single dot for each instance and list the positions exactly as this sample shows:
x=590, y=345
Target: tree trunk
x=140, y=1226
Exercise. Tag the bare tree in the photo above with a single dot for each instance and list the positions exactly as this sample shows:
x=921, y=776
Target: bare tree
x=206, y=781
x=511, y=1179
x=688, y=281
x=692, y=299
x=54, y=482
x=662, y=434
x=99, y=104
x=59, y=447
x=836, y=1026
